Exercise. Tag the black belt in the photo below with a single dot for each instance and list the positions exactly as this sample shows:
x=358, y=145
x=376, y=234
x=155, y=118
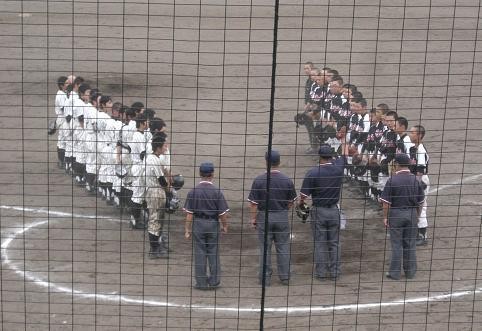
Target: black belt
x=206, y=217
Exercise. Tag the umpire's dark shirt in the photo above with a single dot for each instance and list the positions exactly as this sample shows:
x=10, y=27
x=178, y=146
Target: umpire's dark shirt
x=323, y=183
x=282, y=191
x=206, y=200
x=403, y=190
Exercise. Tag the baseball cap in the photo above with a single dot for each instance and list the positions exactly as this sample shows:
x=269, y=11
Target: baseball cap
x=206, y=168
x=325, y=151
x=402, y=159
x=275, y=156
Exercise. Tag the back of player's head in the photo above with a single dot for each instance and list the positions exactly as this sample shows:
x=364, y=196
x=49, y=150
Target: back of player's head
x=94, y=95
x=402, y=121
x=104, y=99
x=137, y=106
x=117, y=106
x=420, y=130
x=350, y=87
x=157, y=142
x=309, y=63
x=84, y=87
x=333, y=72
x=361, y=101
x=163, y=135
x=140, y=119
x=156, y=124
x=383, y=107
x=61, y=81
x=131, y=113
x=391, y=113
x=337, y=79
x=78, y=80
x=356, y=95
x=149, y=113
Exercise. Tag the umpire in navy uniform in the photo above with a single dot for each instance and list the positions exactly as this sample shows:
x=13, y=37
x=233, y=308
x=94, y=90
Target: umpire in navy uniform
x=282, y=193
x=206, y=214
x=402, y=199
x=323, y=183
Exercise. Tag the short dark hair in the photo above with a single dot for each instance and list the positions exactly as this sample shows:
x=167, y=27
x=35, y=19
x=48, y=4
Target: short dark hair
x=149, y=113
x=421, y=130
x=104, y=99
x=78, y=80
x=384, y=107
x=131, y=113
x=94, y=94
x=356, y=95
x=333, y=71
x=351, y=87
x=117, y=106
x=61, y=81
x=156, y=124
x=309, y=63
x=338, y=79
x=392, y=113
x=137, y=106
x=84, y=87
x=140, y=119
x=402, y=121
x=157, y=142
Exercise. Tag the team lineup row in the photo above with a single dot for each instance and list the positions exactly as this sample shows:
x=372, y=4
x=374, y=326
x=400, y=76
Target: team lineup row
x=122, y=152
x=335, y=112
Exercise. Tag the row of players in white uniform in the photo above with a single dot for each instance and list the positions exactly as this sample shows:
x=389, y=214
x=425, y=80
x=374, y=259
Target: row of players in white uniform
x=103, y=144
x=335, y=112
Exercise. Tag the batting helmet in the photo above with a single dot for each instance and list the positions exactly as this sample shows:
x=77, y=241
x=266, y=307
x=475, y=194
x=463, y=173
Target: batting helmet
x=177, y=182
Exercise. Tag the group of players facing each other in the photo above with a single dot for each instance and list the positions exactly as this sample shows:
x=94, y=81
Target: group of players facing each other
x=336, y=112
x=120, y=153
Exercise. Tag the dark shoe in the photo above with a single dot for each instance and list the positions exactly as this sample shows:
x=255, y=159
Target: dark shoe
x=215, y=286
x=204, y=288
x=320, y=278
x=285, y=282
x=410, y=276
x=387, y=275
x=422, y=241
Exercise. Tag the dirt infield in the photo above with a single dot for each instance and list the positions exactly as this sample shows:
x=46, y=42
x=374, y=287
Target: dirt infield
x=70, y=262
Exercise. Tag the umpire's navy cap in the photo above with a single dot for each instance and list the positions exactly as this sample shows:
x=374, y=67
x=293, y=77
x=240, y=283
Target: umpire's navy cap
x=206, y=168
x=402, y=159
x=325, y=151
x=275, y=156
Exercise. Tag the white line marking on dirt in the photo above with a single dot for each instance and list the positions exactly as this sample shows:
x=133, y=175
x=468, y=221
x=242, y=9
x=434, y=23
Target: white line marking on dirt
x=120, y=298
x=455, y=183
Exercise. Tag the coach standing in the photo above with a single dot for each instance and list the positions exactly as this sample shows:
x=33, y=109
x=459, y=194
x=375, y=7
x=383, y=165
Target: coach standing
x=323, y=183
x=402, y=199
x=206, y=212
x=282, y=193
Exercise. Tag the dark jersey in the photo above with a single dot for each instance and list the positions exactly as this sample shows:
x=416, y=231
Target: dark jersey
x=373, y=139
x=308, y=84
x=323, y=183
x=206, y=200
x=403, y=190
x=282, y=191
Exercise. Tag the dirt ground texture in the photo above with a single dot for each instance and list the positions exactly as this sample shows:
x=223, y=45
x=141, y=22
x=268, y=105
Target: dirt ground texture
x=69, y=262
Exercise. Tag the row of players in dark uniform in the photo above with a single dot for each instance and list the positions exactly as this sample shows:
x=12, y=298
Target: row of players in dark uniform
x=335, y=112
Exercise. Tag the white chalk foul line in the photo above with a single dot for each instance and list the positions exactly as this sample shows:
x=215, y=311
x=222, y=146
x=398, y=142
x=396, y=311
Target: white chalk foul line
x=455, y=183
x=124, y=299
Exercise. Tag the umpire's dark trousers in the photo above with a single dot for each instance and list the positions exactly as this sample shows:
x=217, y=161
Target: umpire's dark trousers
x=325, y=225
x=206, y=249
x=279, y=232
x=403, y=234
